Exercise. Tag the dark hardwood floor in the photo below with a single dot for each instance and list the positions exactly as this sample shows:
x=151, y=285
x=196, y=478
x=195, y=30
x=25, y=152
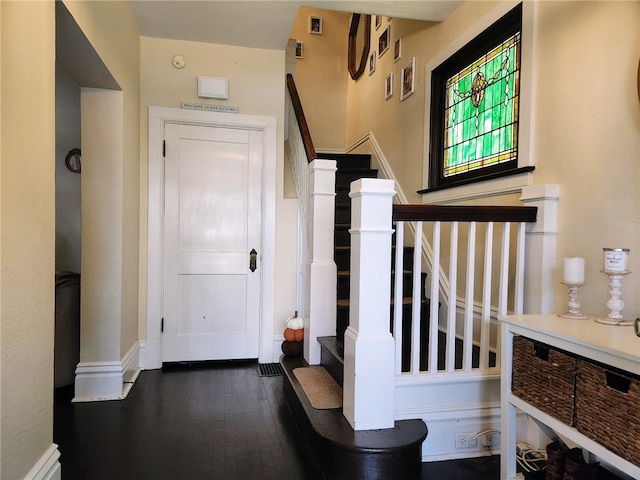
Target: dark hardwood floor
x=215, y=420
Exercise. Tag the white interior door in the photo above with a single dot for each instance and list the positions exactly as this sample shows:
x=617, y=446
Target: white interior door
x=212, y=221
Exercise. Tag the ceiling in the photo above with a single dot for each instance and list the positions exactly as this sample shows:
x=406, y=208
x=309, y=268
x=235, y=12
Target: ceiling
x=261, y=23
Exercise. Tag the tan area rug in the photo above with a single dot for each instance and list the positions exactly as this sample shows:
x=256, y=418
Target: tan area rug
x=322, y=390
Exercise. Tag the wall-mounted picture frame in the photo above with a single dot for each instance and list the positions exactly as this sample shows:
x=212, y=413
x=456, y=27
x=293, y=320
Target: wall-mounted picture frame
x=299, y=49
x=383, y=42
x=378, y=21
x=315, y=25
x=388, y=86
x=397, y=49
x=372, y=62
x=408, y=84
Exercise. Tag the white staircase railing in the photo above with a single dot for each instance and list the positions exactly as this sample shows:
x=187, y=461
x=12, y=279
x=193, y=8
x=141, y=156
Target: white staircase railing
x=462, y=334
x=315, y=188
x=467, y=289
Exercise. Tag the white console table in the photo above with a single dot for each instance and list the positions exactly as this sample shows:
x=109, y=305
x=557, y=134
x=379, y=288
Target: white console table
x=611, y=345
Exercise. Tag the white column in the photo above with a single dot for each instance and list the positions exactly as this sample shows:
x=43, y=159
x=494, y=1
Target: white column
x=368, y=345
x=541, y=240
x=322, y=277
x=99, y=375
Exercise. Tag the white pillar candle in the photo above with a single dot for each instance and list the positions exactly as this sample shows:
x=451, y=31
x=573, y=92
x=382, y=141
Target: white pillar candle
x=573, y=270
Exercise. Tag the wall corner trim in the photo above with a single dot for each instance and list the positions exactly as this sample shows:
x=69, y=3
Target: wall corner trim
x=100, y=381
x=48, y=467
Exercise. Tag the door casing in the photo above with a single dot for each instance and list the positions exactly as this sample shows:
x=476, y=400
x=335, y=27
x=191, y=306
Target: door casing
x=151, y=345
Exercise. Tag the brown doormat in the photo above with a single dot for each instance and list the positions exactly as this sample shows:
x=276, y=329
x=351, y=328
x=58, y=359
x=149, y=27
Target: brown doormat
x=321, y=389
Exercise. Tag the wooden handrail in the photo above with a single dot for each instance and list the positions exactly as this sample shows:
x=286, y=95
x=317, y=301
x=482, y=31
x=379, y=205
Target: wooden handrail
x=459, y=213
x=302, y=121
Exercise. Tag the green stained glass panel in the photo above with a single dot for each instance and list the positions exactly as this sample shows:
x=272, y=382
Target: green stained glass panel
x=486, y=145
x=482, y=110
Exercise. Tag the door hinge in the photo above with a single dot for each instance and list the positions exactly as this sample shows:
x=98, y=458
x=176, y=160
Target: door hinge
x=164, y=148
x=162, y=325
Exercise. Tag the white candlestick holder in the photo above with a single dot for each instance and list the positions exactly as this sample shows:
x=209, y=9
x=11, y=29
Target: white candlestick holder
x=574, y=302
x=615, y=303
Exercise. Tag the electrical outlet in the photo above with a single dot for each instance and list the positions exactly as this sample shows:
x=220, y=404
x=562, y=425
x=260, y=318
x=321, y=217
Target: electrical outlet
x=465, y=440
x=491, y=440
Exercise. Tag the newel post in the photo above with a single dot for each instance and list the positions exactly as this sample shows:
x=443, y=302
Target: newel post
x=540, y=248
x=322, y=276
x=369, y=380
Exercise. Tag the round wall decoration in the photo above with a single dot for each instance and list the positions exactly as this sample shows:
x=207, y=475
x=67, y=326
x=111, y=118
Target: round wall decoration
x=72, y=160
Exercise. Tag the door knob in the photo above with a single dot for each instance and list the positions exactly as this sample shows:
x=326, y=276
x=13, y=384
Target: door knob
x=253, y=257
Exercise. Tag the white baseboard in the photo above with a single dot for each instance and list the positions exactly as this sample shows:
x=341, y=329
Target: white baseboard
x=101, y=381
x=142, y=354
x=131, y=363
x=440, y=443
x=48, y=467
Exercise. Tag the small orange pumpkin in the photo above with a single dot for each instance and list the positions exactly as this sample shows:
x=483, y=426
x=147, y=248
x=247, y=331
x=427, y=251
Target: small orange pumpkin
x=292, y=335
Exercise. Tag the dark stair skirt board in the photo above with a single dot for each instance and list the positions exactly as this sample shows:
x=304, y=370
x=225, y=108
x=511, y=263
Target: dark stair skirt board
x=342, y=453
x=332, y=358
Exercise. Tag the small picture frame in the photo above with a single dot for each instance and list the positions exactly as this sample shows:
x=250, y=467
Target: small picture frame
x=388, y=86
x=408, y=85
x=397, y=49
x=383, y=42
x=299, y=49
x=372, y=62
x=378, y=21
x=315, y=25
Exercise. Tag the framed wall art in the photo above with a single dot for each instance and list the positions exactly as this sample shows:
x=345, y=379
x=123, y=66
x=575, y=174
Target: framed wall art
x=372, y=62
x=299, y=48
x=388, y=86
x=315, y=25
x=383, y=42
x=397, y=49
x=408, y=85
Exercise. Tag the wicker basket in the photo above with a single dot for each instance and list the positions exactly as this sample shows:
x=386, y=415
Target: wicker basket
x=544, y=377
x=608, y=408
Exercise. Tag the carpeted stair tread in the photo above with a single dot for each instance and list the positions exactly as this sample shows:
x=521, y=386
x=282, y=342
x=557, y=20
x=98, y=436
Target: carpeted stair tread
x=320, y=388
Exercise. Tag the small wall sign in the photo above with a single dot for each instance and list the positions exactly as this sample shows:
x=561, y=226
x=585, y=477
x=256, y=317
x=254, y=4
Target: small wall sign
x=209, y=108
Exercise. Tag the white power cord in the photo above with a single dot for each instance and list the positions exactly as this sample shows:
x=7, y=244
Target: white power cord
x=484, y=432
x=529, y=458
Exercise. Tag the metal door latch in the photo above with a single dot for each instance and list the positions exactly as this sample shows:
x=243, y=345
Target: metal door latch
x=253, y=259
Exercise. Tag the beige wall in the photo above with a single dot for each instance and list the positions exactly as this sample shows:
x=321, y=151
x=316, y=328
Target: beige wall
x=121, y=55
x=397, y=125
x=586, y=136
x=256, y=87
x=27, y=158
x=321, y=76
x=585, y=123
x=102, y=294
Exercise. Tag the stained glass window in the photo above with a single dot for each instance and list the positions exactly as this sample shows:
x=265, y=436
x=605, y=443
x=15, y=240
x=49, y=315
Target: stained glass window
x=474, y=107
x=481, y=112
